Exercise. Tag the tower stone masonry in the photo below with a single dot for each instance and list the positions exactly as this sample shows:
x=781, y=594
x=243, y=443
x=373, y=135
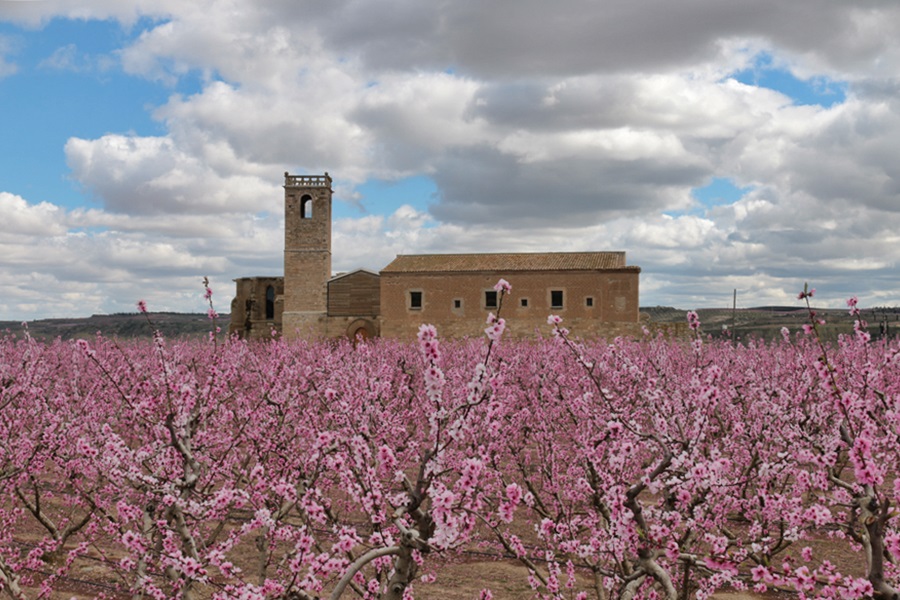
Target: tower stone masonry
x=307, y=251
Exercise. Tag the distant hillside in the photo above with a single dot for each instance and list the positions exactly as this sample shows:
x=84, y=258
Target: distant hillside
x=766, y=321
x=134, y=325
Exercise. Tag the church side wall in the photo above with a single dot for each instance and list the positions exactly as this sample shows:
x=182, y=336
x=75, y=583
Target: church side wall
x=595, y=303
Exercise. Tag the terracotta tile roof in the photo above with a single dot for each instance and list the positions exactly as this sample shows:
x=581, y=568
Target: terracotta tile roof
x=521, y=261
x=349, y=273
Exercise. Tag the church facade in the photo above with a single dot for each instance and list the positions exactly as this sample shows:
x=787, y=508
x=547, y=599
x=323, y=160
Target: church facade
x=596, y=293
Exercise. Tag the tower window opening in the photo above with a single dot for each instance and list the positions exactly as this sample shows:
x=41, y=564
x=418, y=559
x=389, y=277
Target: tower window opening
x=270, y=303
x=306, y=207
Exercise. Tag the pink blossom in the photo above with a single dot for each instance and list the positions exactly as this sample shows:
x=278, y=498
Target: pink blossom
x=347, y=541
x=533, y=581
x=514, y=493
x=133, y=542
x=503, y=286
x=672, y=550
x=495, y=331
x=693, y=320
x=860, y=588
x=759, y=573
x=386, y=457
x=471, y=471
x=85, y=348
x=516, y=544
x=560, y=333
x=506, y=511
x=547, y=528
x=427, y=333
x=142, y=306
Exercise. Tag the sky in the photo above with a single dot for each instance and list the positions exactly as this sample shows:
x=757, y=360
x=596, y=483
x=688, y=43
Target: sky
x=722, y=144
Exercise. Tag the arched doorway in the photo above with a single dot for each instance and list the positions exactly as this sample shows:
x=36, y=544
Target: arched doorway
x=361, y=330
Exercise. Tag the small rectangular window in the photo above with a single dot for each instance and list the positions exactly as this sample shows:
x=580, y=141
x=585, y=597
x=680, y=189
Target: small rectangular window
x=457, y=303
x=589, y=301
x=523, y=302
x=556, y=298
x=490, y=299
x=415, y=300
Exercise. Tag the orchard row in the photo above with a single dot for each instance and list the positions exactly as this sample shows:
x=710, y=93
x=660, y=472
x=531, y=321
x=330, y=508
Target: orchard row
x=643, y=468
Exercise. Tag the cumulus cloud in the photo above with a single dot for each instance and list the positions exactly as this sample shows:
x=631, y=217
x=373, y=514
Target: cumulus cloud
x=590, y=126
x=78, y=262
x=23, y=219
x=153, y=175
x=512, y=39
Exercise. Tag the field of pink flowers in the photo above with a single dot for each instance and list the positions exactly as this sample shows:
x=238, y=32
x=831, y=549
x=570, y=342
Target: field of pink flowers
x=646, y=468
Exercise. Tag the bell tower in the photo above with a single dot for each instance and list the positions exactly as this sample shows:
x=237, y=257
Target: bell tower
x=307, y=253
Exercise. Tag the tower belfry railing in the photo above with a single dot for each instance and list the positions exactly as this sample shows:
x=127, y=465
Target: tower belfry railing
x=305, y=181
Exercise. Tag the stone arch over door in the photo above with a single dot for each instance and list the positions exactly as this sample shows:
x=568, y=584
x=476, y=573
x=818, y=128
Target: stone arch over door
x=364, y=328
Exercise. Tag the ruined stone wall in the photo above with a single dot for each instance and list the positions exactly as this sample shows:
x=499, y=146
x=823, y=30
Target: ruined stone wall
x=249, y=315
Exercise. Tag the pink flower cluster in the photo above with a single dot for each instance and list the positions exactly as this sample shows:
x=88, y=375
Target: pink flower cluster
x=496, y=327
x=693, y=320
x=503, y=287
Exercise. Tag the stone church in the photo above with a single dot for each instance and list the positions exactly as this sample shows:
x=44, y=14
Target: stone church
x=596, y=293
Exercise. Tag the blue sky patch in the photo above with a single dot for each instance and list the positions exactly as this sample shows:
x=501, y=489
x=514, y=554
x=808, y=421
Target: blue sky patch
x=820, y=91
x=719, y=191
x=69, y=83
x=384, y=197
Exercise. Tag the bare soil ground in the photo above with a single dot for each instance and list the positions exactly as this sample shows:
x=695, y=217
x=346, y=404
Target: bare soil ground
x=460, y=577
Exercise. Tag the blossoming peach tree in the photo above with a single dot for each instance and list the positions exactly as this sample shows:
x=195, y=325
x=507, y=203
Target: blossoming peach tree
x=627, y=468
